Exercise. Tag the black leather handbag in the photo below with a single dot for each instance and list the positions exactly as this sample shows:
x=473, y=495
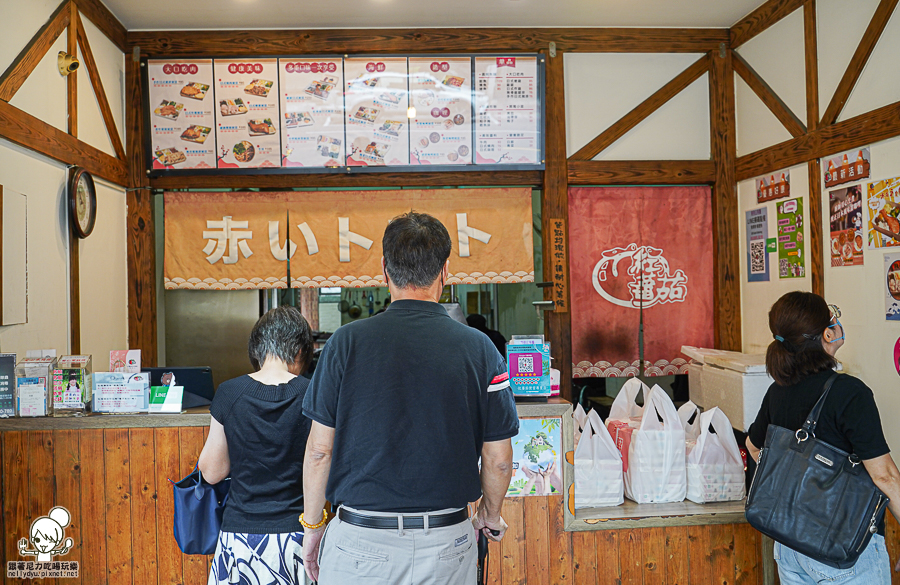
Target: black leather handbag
x=812, y=497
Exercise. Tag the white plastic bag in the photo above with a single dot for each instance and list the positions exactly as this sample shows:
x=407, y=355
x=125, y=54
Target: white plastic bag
x=625, y=416
x=691, y=429
x=598, y=467
x=715, y=469
x=656, y=459
x=580, y=422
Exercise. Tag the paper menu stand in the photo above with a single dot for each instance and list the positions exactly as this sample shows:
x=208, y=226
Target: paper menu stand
x=528, y=364
x=119, y=392
x=166, y=399
x=72, y=385
x=125, y=360
x=34, y=382
x=7, y=385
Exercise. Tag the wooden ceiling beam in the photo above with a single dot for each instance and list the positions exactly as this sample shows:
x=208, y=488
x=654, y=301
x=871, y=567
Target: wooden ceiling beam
x=761, y=19
x=99, y=92
x=811, y=58
x=102, y=18
x=16, y=74
x=641, y=172
x=768, y=96
x=386, y=41
x=858, y=62
x=642, y=111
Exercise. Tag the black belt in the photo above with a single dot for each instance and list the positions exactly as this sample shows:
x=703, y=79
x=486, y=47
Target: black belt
x=409, y=522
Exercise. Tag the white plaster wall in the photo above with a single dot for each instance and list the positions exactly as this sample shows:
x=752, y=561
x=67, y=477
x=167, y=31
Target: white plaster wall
x=879, y=84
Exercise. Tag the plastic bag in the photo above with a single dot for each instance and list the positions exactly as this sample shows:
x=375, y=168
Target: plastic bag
x=715, y=469
x=598, y=467
x=691, y=429
x=580, y=422
x=656, y=459
x=625, y=416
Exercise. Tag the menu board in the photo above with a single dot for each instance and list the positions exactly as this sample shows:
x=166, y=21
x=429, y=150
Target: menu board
x=312, y=112
x=441, y=93
x=376, y=102
x=181, y=114
x=247, y=121
x=506, y=101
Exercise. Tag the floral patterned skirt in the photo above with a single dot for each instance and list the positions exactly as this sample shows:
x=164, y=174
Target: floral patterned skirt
x=258, y=559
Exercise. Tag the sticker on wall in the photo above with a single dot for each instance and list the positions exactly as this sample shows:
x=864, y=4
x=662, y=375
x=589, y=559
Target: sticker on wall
x=791, y=259
x=773, y=187
x=892, y=287
x=757, y=257
x=846, y=226
x=847, y=167
x=897, y=355
x=883, y=201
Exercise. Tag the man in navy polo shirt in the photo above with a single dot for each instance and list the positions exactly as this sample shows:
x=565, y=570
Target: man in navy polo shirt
x=403, y=404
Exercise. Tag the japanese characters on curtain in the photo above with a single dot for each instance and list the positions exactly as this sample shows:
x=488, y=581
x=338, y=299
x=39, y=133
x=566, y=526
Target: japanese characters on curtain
x=250, y=240
x=634, y=251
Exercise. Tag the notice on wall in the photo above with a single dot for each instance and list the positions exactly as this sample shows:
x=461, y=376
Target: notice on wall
x=247, y=128
x=7, y=384
x=441, y=92
x=883, y=203
x=506, y=102
x=847, y=167
x=777, y=186
x=791, y=259
x=182, y=114
x=559, y=265
x=846, y=226
x=312, y=112
x=892, y=286
x=757, y=257
x=376, y=101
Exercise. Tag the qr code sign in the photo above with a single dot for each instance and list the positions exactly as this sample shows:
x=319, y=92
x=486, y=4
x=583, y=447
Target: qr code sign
x=526, y=364
x=758, y=257
x=784, y=267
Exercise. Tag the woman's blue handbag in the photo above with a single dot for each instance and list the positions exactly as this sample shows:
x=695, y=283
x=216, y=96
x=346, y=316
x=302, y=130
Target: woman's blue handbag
x=198, y=513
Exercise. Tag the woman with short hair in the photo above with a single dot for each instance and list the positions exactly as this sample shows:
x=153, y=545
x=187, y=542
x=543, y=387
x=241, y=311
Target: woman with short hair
x=258, y=434
x=807, y=333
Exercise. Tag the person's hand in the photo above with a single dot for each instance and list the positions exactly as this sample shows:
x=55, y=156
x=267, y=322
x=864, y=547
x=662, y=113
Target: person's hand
x=310, y=555
x=492, y=527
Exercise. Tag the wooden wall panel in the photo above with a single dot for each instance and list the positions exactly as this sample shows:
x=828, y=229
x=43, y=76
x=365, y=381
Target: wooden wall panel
x=653, y=555
x=537, y=547
x=15, y=492
x=630, y=555
x=512, y=546
x=93, y=506
x=67, y=469
x=608, y=572
x=699, y=557
x=584, y=558
x=40, y=478
x=143, y=490
x=119, y=552
x=747, y=564
x=168, y=466
x=195, y=567
x=676, y=557
x=560, y=544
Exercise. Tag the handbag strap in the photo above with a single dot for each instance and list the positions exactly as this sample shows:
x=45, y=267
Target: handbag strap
x=813, y=418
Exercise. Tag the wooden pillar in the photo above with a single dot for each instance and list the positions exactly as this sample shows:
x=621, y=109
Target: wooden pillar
x=141, y=244
x=74, y=242
x=555, y=205
x=816, y=244
x=727, y=286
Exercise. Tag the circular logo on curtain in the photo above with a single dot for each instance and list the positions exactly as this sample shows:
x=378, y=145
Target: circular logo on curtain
x=637, y=276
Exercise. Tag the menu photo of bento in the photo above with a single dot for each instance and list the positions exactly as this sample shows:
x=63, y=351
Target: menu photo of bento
x=183, y=113
x=376, y=117
x=312, y=112
x=846, y=226
x=247, y=120
x=892, y=286
x=883, y=203
x=440, y=90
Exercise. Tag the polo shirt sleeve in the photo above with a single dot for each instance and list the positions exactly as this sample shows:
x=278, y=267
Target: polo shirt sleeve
x=502, y=419
x=861, y=424
x=321, y=400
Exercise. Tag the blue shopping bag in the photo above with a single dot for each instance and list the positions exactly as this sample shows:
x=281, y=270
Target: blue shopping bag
x=198, y=513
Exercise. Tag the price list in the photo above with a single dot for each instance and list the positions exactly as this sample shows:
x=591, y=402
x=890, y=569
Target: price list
x=506, y=97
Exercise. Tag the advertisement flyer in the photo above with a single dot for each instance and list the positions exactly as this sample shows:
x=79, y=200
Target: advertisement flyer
x=892, y=287
x=537, y=458
x=441, y=92
x=182, y=114
x=790, y=239
x=506, y=102
x=777, y=186
x=247, y=128
x=7, y=384
x=376, y=100
x=312, y=112
x=847, y=167
x=757, y=257
x=846, y=226
x=883, y=201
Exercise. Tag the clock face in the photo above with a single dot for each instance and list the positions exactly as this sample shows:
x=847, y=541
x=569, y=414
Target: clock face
x=82, y=203
x=82, y=209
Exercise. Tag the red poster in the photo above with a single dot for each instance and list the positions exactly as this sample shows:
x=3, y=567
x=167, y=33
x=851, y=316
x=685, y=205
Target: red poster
x=639, y=250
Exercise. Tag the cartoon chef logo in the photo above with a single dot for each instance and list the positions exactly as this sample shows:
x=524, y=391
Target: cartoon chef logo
x=47, y=536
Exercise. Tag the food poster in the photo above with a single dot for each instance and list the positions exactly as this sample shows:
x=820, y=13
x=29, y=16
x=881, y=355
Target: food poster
x=847, y=167
x=846, y=226
x=537, y=458
x=892, y=286
x=790, y=239
x=507, y=130
x=247, y=128
x=883, y=202
x=441, y=93
x=312, y=112
x=757, y=257
x=776, y=186
x=182, y=114
x=376, y=102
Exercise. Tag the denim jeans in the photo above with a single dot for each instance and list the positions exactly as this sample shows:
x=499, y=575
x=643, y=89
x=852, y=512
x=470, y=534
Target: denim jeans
x=872, y=568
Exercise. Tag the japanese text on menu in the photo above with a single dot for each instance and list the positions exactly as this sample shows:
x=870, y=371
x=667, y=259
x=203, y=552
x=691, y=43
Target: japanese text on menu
x=312, y=112
x=247, y=128
x=506, y=129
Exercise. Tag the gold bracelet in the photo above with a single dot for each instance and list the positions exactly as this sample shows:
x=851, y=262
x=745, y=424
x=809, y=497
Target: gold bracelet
x=321, y=523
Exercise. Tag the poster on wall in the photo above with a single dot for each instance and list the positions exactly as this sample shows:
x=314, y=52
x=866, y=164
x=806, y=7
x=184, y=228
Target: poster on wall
x=847, y=167
x=846, y=226
x=312, y=112
x=883, y=202
x=791, y=259
x=376, y=100
x=757, y=257
x=537, y=458
x=506, y=102
x=440, y=90
x=892, y=286
x=182, y=115
x=777, y=186
x=247, y=128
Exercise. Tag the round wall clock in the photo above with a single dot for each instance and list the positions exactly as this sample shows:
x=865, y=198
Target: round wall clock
x=82, y=202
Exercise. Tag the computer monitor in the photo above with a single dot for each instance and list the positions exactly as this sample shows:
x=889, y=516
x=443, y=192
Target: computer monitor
x=197, y=382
